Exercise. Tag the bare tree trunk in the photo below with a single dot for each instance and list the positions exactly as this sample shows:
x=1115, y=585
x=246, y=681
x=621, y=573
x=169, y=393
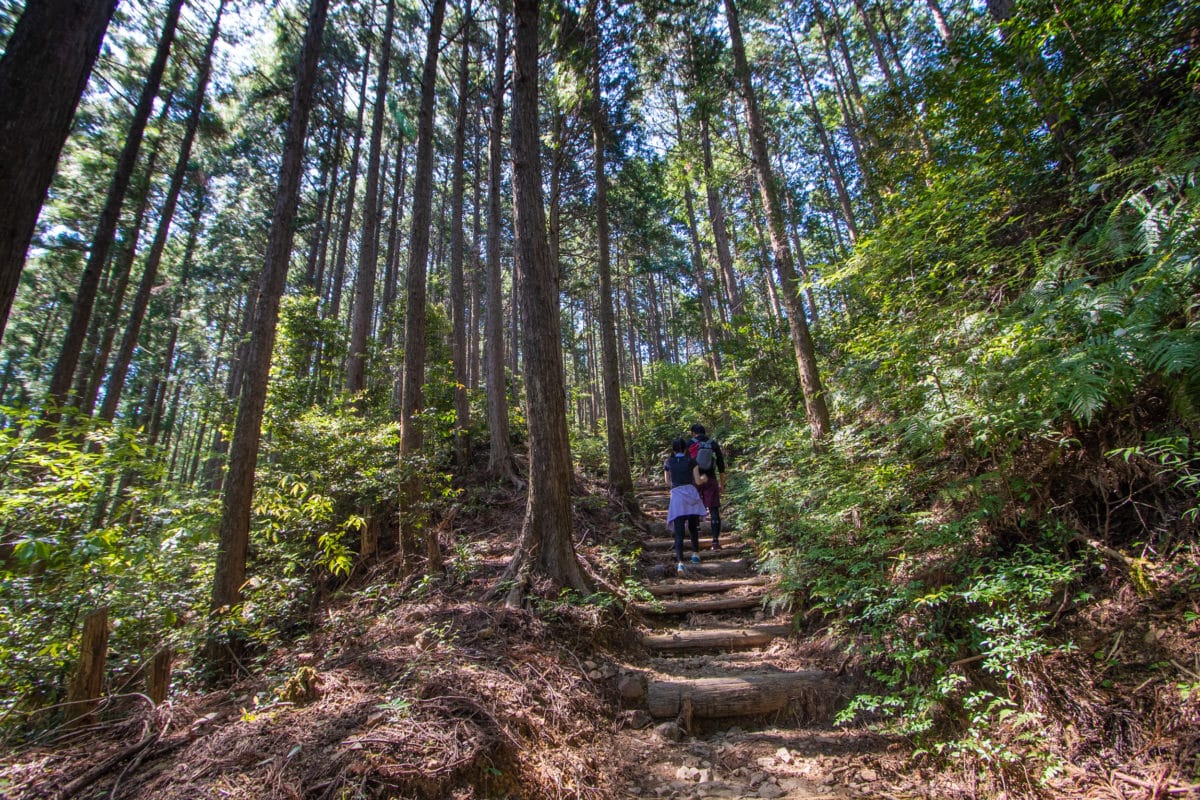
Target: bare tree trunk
x=43, y=72
x=334, y=308
x=876, y=44
x=120, y=369
x=106, y=225
x=546, y=547
x=939, y=21
x=716, y=214
x=500, y=455
x=806, y=357
x=368, y=252
x=706, y=322
x=89, y=673
x=234, y=536
x=458, y=300
x=620, y=479
x=412, y=522
x=177, y=304
x=391, y=267
x=475, y=276
x=835, y=168
x=91, y=374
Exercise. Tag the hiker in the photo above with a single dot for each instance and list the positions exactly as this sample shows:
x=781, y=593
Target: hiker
x=683, y=474
x=711, y=463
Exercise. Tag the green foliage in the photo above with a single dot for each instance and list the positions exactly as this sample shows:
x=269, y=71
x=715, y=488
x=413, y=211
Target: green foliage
x=72, y=546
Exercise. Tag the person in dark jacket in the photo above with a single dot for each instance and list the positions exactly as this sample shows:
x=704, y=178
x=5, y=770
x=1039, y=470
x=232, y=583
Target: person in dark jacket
x=682, y=474
x=710, y=489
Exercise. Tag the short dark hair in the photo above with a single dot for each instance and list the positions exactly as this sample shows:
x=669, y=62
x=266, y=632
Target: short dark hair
x=679, y=445
x=697, y=429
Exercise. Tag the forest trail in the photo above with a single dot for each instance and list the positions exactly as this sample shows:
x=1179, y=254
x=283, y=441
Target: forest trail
x=725, y=703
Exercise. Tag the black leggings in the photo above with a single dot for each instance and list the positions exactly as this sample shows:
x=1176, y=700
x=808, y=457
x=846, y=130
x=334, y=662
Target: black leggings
x=693, y=523
x=714, y=516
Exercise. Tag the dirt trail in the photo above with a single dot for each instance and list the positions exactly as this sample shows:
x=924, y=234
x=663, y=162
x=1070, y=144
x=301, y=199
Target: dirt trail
x=723, y=702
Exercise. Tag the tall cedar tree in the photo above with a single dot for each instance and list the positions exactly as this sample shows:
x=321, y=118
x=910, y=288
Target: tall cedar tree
x=141, y=300
x=412, y=390
x=806, y=355
x=364, y=290
x=500, y=454
x=546, y=547
x=458, y=299
x=234, y=537
x=106, y=225
x=620, y=479
x=43, y=72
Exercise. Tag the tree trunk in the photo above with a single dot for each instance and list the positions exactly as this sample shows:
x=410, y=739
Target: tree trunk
x=943, y=27
x=338, y=279
x=500, y=455
x=89, y=673
x=806, y=358
x=91, y=374
x=364, y=291
x=458, y=299
x=620, y=479
x=43, y=72
x=546, y=547
x=716, y=214
x=475, y=274
x=106, y=226
x=234, y=536
x=412, y=523
x=835, y=168
x=876, y=44
x=391, y=267
x=120, y=369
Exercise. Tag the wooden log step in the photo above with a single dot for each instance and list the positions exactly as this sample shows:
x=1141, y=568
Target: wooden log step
x=705, y=543
x=714, y=568
x=705, y=555
x=715, y=638
x=704, y=587
x=745, y=695
x=702, y=606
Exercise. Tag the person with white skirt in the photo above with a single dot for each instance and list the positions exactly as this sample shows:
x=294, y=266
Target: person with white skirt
x=682, y=473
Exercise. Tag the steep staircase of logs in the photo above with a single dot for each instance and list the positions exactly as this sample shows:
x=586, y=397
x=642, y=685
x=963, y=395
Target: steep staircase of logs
x=715, y=653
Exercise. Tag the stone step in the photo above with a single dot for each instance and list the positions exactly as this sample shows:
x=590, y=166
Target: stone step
x=704, y=587
x=715, y=638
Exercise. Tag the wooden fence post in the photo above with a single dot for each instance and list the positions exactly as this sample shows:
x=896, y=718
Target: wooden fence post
x=89, y=676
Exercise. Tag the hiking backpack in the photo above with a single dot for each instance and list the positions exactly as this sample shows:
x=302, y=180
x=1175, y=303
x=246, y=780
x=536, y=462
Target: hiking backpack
x=704, y=454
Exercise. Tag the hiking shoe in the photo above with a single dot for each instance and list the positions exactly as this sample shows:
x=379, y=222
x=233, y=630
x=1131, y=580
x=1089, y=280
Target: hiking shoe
x=679, y=568
x=716, y=545
x=695, y=558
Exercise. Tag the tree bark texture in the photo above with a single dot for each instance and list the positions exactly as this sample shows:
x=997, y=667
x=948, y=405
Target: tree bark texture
x=500, y=455
x=43, y=72
x=806, y=357
x=620, y=478
x=364, y=289
x=106, y=225
x=89, y=672
x=234, y=536
x=546, y=547
x=458, y=298
x=412, y=390
x=137, y=314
